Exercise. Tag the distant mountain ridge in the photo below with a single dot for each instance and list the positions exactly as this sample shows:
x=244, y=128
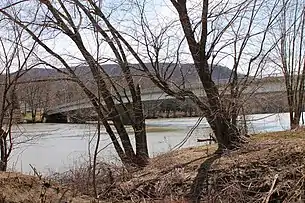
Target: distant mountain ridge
x=64, y=91
x=185, y=72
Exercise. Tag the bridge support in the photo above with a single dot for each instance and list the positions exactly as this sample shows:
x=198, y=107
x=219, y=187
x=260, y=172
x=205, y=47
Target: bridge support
x=75, y=119
x=56, y=118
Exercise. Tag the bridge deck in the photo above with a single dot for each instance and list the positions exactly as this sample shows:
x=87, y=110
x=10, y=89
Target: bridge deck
x=155, y=94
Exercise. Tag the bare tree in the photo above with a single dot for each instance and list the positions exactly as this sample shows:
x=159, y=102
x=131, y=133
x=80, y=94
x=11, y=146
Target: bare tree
x=57, y=17
x=221, y=27
x=34, y=97
x=14, y=60
x=232, y=26
x=290, y=56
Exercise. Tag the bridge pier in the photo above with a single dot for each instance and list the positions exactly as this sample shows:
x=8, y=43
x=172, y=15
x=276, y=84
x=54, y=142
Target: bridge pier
x=56, y=118
x=75, y=119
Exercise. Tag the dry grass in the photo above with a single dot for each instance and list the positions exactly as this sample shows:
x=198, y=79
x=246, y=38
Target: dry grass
x=270, y=168
x=15, y=187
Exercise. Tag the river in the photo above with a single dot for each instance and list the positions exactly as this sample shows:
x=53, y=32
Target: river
x=59, y=147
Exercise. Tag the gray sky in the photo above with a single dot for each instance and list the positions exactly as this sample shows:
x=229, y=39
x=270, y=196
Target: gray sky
x=159, y=14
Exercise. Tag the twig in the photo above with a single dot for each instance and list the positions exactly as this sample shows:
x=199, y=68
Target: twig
x=266, y=200
x=36, y=172
x=63, y=195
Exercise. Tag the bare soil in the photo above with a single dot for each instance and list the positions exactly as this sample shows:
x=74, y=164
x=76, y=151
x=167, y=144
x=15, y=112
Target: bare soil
x=16, y=187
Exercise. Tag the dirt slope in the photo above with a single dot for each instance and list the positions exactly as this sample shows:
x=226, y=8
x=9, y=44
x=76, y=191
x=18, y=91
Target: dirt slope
x=16, y=187
x=270, y=168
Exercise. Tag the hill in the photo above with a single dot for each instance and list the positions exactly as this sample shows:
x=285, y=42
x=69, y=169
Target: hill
x=49, y=93
x=185, y=72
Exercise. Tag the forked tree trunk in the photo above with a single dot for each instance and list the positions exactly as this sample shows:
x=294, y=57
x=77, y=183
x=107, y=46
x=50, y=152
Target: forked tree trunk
x=223, y=127
x=140, y=157
x=126, y=152
x=292, y=58
x=226, y=133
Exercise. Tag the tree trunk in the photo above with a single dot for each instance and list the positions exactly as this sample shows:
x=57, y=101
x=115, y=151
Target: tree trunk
x=106, y=95
x=140, y=131
x=227, y=134
x=95, y=69
x=137, y=121
x=167, y=112
x=295, y=122
x=225, y=131
x=3, y=159
x=191, y=111
x=33, y=116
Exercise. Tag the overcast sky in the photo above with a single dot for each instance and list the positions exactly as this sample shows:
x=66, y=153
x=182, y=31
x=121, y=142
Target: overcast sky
x=124, y=14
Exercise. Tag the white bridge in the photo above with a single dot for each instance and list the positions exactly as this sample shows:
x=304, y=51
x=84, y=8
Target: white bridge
x=269, y=85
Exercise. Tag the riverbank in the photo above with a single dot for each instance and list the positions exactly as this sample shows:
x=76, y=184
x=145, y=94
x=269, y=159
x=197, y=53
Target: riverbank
x=17, y=187
x=268, y=168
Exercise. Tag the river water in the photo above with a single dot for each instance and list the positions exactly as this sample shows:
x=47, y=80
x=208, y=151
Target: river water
x=59, y=147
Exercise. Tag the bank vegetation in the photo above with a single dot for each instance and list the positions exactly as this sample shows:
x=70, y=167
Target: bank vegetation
x=268, y=169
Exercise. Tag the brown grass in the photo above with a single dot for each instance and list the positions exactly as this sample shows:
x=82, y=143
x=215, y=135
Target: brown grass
x=269, y=168
x=16, y=187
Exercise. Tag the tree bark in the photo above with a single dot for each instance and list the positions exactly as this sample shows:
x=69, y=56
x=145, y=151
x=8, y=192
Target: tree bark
x=3, y=158
x=226, y=133
x=140, y=131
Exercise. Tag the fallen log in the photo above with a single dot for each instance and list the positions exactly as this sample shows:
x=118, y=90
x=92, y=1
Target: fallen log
x=210, y=139
x=205, y=140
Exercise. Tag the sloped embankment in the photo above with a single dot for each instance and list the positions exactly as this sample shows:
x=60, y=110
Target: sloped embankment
x=270, y=168
x=16, y=187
